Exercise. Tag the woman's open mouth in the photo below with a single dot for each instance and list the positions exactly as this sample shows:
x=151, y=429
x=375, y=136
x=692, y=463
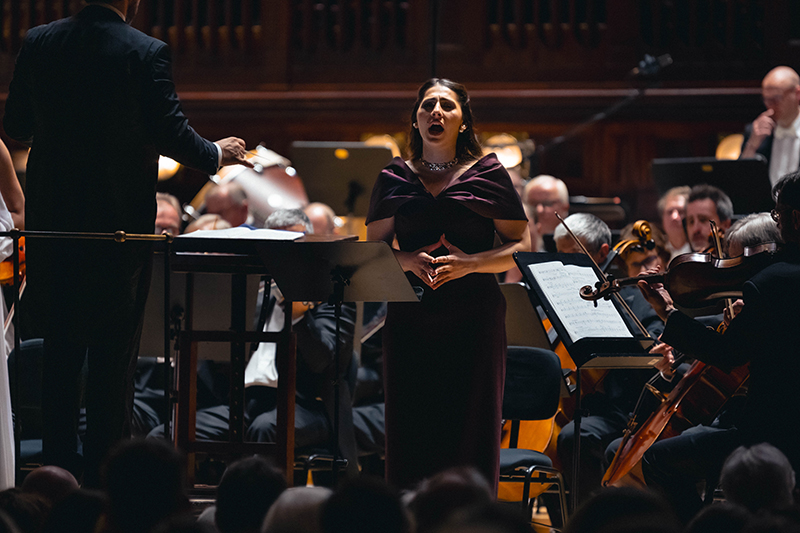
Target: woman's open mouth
x=436, y=129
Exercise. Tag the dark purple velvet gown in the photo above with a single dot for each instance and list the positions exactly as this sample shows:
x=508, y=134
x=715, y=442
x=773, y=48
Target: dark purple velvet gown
x=444, y=357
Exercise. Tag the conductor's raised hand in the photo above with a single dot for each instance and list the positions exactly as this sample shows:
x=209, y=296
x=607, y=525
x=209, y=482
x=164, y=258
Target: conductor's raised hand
x=656, y=295
x=456, y=264
x=419, y=262
x=234, y=152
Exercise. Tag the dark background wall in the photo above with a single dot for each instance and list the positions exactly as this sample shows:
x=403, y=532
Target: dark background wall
x=275, y=71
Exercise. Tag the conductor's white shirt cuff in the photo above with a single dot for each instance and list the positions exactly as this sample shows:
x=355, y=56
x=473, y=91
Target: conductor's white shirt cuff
x=219, y=156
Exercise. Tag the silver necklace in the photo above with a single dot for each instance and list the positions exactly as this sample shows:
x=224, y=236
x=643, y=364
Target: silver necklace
x=438, y=167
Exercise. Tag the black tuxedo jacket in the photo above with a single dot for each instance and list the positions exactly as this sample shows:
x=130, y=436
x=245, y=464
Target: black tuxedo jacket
x=765, y=148
x=95, y=100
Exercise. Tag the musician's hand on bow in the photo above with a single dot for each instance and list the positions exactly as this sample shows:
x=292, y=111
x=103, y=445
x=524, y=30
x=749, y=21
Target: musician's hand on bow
x=738, y=305
x=664, y=365
x=656, y=295
x=419, y=263
x=456, y=264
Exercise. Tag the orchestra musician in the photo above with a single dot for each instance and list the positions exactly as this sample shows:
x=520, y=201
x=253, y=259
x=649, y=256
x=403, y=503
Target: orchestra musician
x=444, y=356
x=642, y=246
x=775, y=133
x=543, y=196
x=671, y=211
x=168, y=214
x=610, y=404
x=706, y=203
x=229, y=201
x=763, y=334
x=95, y=100
x=751, y=232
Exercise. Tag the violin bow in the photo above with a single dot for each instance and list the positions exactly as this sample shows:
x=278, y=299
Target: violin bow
x=602, y=277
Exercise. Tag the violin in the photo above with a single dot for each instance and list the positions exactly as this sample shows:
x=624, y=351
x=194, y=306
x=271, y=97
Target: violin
x=696, y=280
x=7, y=266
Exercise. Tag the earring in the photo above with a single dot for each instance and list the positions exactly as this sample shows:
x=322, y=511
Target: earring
x=414, y=125
x=462, y=129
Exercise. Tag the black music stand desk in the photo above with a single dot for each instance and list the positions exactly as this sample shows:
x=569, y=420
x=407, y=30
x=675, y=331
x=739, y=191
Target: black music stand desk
x=236, y=252
x=337, y=272
x=615, y=345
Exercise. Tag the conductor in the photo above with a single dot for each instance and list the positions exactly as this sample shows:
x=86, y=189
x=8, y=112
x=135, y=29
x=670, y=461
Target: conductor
x=95, y=100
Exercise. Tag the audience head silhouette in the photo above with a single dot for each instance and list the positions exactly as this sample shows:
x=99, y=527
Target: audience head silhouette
x=245, y=493
x=50, y=482
x=364, y=505
x=446, y=493
x=297, y=510
x=624, y=510
x=144, y=481
x=758, y=477
x=723, y=516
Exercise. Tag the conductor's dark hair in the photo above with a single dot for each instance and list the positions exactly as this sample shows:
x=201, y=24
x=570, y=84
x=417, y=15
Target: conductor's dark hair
x=787, y=190
x=467, y=146
x=722, y=201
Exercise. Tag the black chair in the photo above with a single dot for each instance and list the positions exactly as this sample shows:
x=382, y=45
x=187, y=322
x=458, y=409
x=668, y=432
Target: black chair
x=532, y=391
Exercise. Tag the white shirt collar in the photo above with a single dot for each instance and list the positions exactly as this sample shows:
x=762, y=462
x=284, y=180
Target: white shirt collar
x=792, y=131
x=112, y=8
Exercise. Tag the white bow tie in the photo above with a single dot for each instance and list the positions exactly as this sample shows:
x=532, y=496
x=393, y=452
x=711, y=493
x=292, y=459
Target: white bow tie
x=785, y=133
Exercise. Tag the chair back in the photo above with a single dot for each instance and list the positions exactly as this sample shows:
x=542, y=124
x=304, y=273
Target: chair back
x=532, y=385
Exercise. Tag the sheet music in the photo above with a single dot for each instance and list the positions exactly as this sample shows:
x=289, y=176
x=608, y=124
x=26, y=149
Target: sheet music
x=561, y=285
x=245, y=233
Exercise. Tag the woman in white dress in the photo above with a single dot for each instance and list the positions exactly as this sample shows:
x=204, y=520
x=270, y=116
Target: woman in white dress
x=12, y=209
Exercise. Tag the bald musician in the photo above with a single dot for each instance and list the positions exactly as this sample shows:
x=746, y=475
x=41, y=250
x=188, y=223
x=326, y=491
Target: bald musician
x=775, y=133
x=763, y=334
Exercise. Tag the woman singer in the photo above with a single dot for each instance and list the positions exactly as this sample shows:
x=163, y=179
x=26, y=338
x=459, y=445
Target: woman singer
x=444, y=357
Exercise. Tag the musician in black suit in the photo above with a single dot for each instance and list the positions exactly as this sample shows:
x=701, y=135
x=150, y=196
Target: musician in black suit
x=763, y=334
x=94, y=99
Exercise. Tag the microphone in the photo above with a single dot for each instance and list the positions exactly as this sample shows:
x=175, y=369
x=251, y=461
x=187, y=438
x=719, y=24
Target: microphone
x=651, y=66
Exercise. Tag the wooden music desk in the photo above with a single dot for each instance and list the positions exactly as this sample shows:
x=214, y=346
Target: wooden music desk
x=236, y=257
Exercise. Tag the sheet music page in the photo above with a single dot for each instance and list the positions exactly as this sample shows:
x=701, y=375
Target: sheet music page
x=561, y=285
x=245, y=233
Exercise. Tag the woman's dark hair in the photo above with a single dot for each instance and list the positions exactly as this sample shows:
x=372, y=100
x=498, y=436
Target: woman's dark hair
x=467, y=146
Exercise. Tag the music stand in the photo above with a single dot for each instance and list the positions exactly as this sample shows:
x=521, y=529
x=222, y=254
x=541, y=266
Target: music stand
x=745, y=181
x=337, y=272
x=339, y=173
x=607, y=351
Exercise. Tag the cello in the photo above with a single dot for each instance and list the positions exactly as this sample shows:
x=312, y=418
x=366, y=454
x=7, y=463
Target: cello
x=704, y=389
